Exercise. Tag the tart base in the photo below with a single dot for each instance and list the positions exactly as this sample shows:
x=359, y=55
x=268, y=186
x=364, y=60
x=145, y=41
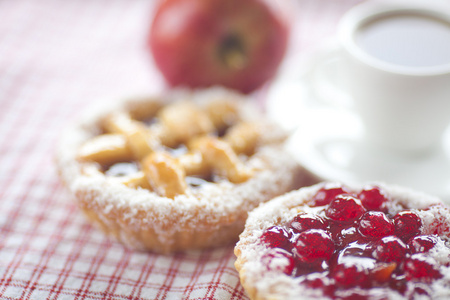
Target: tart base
x=260, y=283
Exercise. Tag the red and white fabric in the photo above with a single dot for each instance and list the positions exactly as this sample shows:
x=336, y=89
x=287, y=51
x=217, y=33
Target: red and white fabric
x=56, y=58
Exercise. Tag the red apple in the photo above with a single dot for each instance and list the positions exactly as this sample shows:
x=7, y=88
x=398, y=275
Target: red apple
x=238, y=44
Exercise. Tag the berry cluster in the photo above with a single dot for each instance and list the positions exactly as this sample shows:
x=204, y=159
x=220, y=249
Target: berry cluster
x=351, y=244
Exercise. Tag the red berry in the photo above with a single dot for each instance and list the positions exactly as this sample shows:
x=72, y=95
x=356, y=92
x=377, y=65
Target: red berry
x=350, y=249
x=348, y=274
x=277, y=259
x=277, y=237
x=375, y=224
x=304, y=222
x=407, y=224
x=390, y=249
x=326, y=194
x=373, y=198
x=313, y=246
x=319, y=281
x=421, y=267
x=344, y=208
x=422, y=243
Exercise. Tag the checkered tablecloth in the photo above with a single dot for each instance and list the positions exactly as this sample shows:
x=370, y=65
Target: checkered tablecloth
x=58, y=57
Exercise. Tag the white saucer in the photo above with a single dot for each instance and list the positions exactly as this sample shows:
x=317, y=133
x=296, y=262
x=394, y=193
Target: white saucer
x=328, y=139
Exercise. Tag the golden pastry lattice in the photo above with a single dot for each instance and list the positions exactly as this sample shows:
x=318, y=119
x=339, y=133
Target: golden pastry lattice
x=213, y=137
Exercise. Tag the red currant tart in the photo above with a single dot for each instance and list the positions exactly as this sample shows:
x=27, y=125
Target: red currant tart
x=339, y=242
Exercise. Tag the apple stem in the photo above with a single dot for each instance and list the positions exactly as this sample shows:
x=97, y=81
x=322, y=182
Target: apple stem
x=232, y=52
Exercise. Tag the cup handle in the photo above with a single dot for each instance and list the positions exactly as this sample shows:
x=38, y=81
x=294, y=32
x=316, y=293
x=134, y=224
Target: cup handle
x=326, y=79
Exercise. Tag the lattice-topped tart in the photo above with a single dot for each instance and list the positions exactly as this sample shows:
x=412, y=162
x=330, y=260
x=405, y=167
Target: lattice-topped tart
x=176, y=172
x=330, y=241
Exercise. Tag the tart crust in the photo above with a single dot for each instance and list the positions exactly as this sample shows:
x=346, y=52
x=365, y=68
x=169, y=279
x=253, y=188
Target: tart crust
x=209, y=216
x=262, y=284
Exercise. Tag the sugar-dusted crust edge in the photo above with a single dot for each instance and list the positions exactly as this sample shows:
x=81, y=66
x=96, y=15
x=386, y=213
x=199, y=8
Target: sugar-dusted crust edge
x=140, y=219
x=262, y=217
x=261, y=285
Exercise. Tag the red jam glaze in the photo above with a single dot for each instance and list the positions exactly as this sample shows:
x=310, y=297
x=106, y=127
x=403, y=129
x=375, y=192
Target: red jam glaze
x=343, y=236
x=351, y=245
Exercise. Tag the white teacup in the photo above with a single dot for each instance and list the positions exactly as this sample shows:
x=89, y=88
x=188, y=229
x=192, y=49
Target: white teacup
x=395, y=66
